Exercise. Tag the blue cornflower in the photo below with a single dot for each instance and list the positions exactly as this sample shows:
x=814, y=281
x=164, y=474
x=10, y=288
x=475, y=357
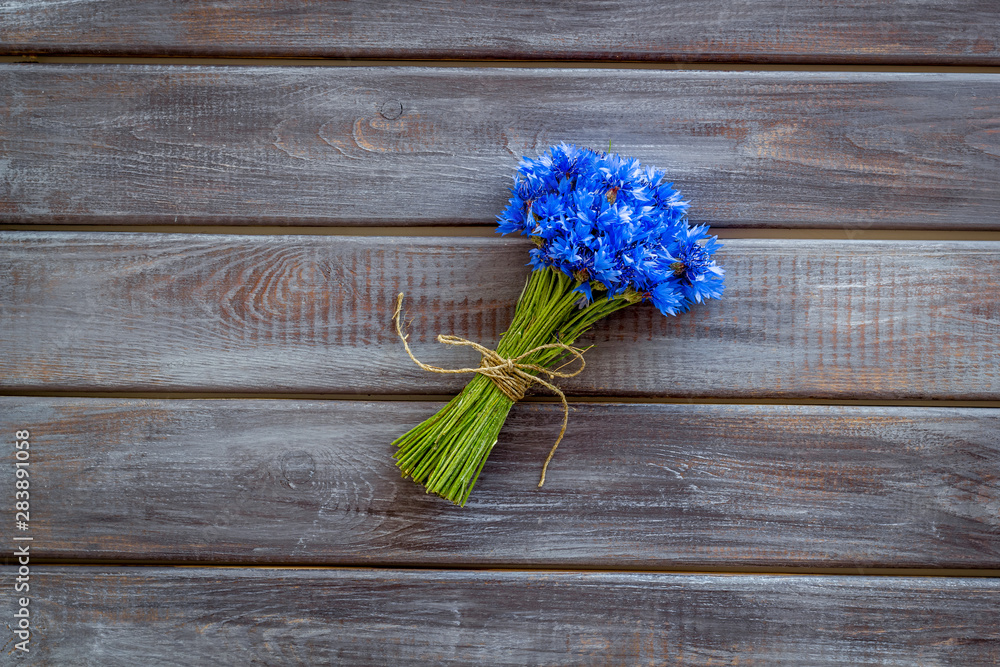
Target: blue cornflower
x=601, y=217
x=667, y=299
x=693, y=267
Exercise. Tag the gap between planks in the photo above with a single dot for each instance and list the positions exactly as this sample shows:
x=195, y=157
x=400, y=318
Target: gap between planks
x=774, y=571
x=487, y=231
x=525, y=64
x=572, y=400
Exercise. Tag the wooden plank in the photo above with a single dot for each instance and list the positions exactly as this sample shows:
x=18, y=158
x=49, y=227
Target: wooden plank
x=398, y=617
x=397, y=146
x=927, y=32
x=184, y=312
x=631, y=486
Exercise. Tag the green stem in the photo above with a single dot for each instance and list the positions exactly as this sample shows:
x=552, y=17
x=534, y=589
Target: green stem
x=447, y=452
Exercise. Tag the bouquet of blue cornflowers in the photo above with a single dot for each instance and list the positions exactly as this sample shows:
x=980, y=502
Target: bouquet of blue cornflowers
x=608, y=232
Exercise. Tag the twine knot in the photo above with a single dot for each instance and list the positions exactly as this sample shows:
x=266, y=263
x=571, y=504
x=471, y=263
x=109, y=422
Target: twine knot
x=510, y=375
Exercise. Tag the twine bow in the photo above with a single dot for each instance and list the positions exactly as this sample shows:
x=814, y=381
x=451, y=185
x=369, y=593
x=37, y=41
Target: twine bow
x=510, y=375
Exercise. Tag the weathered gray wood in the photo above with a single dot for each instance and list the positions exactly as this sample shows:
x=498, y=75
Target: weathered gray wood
x=640, y=486
x=397, y=146
x=921, y=32
x=176, y=616
x=123, y=311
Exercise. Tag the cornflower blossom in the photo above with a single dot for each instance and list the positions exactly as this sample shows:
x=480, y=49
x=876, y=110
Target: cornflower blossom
x=614, y=226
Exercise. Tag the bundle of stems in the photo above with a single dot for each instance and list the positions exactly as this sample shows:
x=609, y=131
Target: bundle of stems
x=447, y=452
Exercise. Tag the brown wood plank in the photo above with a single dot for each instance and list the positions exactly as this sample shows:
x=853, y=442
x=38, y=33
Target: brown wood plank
x=631, y=486
x=398, y=617
x=926, y=32
x=397, y=146
x=184, y=312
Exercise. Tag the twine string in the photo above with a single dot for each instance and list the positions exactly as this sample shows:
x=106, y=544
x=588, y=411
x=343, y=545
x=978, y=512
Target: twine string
x=510, y=375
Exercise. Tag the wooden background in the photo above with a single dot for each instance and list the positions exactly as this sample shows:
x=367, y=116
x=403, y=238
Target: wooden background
x=206, y=211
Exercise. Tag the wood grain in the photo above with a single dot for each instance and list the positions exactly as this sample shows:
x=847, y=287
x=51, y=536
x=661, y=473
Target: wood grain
x=922, y=32
x=186, y=312
x=401, y=146
x=397, y=617
x=631, y=486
